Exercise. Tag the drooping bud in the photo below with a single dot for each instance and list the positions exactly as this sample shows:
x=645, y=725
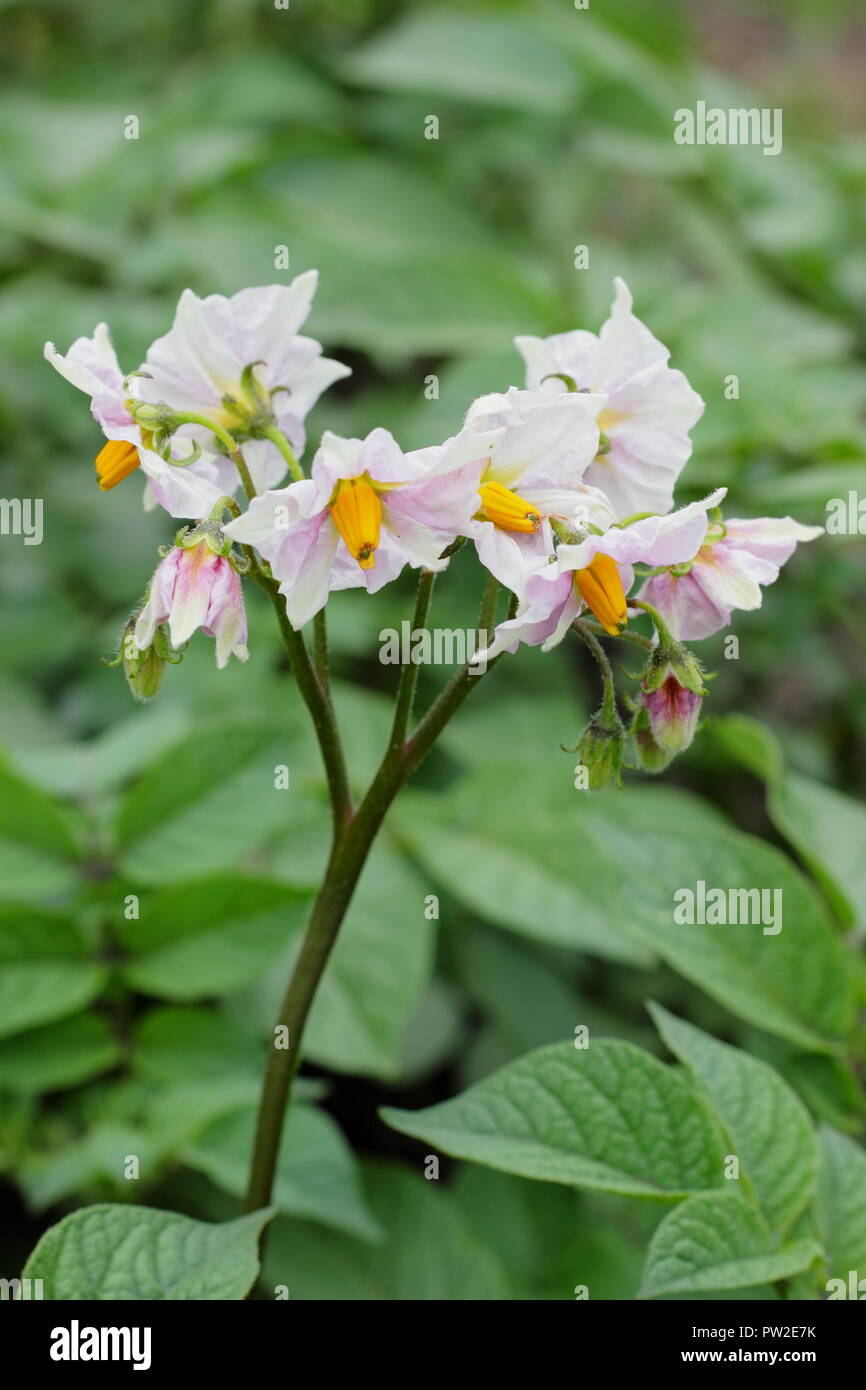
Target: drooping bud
x=196, y=585
x=601, y=747
x=650, y=756
x=673, y=710
x=672, y=688
x=144, y=668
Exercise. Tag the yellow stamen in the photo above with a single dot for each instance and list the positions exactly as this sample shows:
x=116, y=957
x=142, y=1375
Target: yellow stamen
x=507, y=510
x=115, y=462
x=357, y=514
x=601, y=590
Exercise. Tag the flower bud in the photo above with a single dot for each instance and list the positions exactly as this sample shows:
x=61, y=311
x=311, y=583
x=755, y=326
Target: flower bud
x=145, y=669
x=673, y=711
x=672, y=689
x=600, y=749
x=649, y=755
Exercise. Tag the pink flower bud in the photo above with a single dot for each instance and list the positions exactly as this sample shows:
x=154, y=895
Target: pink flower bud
x=194, y=587
x=673, y=712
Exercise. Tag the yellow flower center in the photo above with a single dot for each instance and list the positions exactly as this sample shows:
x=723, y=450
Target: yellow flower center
x=507, y=510
x=115, y=462
x=601, y=590
x=357, y=515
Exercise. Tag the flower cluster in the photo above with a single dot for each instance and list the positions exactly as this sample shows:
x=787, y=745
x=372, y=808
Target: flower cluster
x=565, y=487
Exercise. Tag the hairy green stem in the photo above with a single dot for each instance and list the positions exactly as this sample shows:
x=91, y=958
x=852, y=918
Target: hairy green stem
x=277, y=437
x=409, y=674
x=348, y=856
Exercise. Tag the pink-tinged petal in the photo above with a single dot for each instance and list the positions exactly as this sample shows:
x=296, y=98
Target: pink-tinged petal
x=382, y=458
x=673, y=713
x=194, y=580
x=268, y=521
x=732, y=578
x=390, y=561
x=656, y=540
x=212, y=340
x=91, y=365
x=191, y=491
x=772, y=538
x=546, y=439
x=226, y=618
x=445, y=501
x=420, y=546
x=159, y=600
x=647, y=425
x=665, y=540
x=512, y=556
x=549, y=608
x=686, y=607
x=466, y=453
x=308, y=580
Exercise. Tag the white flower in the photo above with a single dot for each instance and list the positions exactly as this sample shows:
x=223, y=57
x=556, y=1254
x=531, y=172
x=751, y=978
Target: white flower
x=736, y=559
x=597, y=573
x=517, y=462
x=189, y=491
x=366, y=511
x=219, y=351
x=649, y=411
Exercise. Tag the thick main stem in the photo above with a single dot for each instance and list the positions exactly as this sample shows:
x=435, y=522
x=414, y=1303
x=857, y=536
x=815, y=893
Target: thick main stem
x=348, y=856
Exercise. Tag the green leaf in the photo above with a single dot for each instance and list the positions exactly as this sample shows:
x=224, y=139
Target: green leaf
x=316, y=1172
x=528, y=890
x=796, y=982
x=108, y=1253
x=486, y=58
x=770, y=1129
x=38, y=842
x=609, y=1117
x=429, y=1252
x=45, y=972
x=210, y=937
x=717, y=1240
x=104, y=762
x=204, y=805
x=550, y=1237
x=841, y=1203
x=87, y=1166
x=194, y=1044
x=61, y=1054
x=826, y=827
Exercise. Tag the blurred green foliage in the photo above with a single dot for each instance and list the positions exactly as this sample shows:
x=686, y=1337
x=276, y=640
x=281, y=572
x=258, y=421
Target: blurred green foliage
x=305, y=128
